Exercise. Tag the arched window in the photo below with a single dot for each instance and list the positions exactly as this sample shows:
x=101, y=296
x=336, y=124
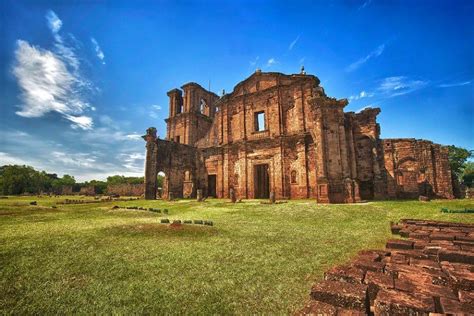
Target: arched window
x=202, y=105
x=293, y=176
x=187, y=176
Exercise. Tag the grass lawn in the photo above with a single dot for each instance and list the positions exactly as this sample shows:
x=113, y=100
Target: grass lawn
x=257, y=258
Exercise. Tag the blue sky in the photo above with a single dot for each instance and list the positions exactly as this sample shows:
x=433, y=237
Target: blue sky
x=81, y=80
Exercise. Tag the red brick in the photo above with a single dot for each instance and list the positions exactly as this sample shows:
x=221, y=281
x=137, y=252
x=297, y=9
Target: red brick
x=348, y=274
x=341, y=294
x=456, y=256
x=391, y=302
x=399, y=244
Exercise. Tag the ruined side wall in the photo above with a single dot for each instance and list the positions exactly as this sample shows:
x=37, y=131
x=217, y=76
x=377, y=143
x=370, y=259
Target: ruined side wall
x=417, y=167
x=366, y=153
x=126, y=189
x=180, y=164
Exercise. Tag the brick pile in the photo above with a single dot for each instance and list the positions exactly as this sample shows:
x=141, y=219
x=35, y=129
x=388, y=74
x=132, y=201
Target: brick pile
x=431, y=271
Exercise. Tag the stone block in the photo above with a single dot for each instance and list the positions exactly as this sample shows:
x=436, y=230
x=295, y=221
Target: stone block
x=456, y=256
x=348, y=274
x=399, y=244
x=376, y=281
x=391, y=302
x=342, y=294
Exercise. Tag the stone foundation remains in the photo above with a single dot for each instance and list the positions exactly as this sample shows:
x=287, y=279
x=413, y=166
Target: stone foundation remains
x=430, y=272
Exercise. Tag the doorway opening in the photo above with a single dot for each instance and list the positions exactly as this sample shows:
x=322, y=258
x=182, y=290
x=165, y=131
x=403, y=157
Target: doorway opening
x=261, y=181
x=211, y=185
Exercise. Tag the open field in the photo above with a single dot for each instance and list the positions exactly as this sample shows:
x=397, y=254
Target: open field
x=257, y=258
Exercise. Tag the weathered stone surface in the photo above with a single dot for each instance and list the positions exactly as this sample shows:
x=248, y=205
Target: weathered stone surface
x=307, y=146
x=341, y=294
x=126, y=189
x=349, y=274
x=399, y=244
x=390, y=302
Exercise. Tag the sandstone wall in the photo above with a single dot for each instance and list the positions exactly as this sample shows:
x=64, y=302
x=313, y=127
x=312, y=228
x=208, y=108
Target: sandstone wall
x=126, y=189
x=416, y=167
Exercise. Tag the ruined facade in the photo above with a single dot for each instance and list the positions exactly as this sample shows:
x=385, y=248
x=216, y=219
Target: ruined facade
x=282, y=133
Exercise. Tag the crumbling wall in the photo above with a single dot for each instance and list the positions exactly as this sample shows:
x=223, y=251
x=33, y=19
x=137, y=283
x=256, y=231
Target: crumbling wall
x=88, y=190
x=126, y=189
x=176, y=161
x=417, y=167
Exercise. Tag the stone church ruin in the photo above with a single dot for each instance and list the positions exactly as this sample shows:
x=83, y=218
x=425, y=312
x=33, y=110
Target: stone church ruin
x=281, y=133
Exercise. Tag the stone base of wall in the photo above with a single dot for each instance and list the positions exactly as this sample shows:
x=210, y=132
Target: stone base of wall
x=430, y=272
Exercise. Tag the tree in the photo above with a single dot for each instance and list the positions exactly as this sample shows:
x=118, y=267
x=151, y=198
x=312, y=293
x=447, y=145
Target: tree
x=468, y=175
x=457, y=160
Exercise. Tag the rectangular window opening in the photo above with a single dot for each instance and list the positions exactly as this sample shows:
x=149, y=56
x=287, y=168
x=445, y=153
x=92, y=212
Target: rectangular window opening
x=259, y=121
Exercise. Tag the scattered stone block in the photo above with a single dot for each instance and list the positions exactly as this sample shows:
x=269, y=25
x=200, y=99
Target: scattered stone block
x=399, y=244
x=164, y=221
x=33, y=203
x=341, y=294
x=198, y=221
x=456, y=256
x=376, y=281
x=348, y=274
x=391, y=302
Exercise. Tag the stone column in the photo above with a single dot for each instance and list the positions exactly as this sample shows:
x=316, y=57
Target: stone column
x=151, y=164
x=199, y=195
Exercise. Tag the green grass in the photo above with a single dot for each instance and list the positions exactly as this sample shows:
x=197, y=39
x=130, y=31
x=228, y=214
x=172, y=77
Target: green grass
x=257, y=258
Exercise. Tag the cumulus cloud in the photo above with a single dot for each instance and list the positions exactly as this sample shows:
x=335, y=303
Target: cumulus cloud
x=400, y=85
x=98, y=50
x=373, y=54
x=292, y=44
x=50, y=81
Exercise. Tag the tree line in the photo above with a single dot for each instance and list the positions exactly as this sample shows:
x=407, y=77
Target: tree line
x=16, y=179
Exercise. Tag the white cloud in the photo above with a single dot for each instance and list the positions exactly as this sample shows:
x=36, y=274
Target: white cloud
x=134, y=136
x=47, y=85
x=50, y=81
x=373, y=54
x=7, y=159
x=153, y=112
x=272, y=61
x=82, y=160
x=292, y=44
x=361, y=95
x=54, y=23
x=133, y=162
x=455, y=84
x=98, y=50
x=400, y=85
